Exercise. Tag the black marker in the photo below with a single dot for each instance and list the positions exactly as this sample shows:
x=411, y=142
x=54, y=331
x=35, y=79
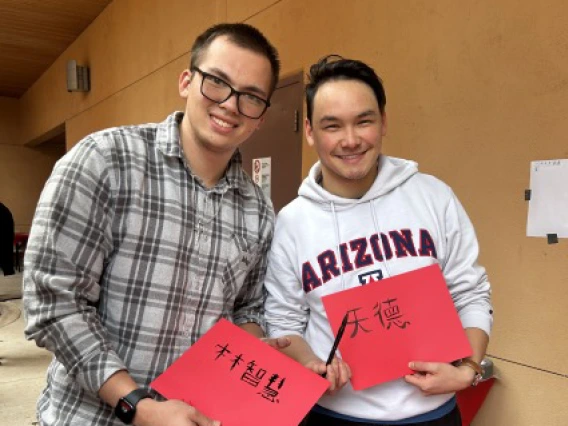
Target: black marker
x=336, y=342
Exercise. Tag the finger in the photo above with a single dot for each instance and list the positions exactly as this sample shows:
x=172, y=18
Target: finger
x=337, y=367
x=201, y=419
x=417, y=380
x=331, y=377
x=317, y=367
x=207, y=422
x=336, y=364
x=349, y=371
x=413, y=379
x=344, y=373
x=424, y=367
x=344, y=370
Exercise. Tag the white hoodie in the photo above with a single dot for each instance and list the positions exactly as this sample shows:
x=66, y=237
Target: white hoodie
x=324, y=244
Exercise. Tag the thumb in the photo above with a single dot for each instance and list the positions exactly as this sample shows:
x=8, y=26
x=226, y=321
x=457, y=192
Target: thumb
x=317, y=367
x=277, y=343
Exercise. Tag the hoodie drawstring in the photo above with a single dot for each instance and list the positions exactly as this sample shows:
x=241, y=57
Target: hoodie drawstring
x=378, y=229
x=338, y=241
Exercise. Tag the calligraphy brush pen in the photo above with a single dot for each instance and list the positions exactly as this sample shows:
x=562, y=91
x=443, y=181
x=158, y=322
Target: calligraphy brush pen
x=336, y=342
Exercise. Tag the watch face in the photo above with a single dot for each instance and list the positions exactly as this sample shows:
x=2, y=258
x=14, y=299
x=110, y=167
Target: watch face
x=478, y=377
x=124, y=411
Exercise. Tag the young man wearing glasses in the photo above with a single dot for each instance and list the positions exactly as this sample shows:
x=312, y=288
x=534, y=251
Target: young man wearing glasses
x=145, y=236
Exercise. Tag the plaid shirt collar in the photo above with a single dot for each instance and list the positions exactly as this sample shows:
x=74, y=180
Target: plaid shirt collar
x=169, y=143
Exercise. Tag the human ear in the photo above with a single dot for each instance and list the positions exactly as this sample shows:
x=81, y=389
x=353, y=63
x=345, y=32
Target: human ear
x=384, y=123
x=309, y=132
x=184, y=82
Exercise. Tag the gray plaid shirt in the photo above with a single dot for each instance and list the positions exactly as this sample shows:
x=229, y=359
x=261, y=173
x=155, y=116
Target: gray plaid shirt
x=131, y=259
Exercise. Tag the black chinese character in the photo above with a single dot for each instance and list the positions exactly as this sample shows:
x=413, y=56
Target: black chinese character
x=389, y=314
x=222, y=351
x=357, y=322
x=237, y=360
x=268, y=392
x=250, y=377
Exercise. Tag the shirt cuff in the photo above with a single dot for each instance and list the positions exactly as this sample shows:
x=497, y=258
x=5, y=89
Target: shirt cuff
x=96, y=370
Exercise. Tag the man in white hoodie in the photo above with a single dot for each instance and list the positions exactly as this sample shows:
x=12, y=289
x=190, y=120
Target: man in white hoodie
x=362, y=214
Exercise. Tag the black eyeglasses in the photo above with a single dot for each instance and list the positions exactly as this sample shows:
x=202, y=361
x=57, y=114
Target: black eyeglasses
x=218, y=90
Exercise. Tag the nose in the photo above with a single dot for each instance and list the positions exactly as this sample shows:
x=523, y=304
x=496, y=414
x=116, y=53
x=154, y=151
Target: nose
x=231, y=103
x=350, y=139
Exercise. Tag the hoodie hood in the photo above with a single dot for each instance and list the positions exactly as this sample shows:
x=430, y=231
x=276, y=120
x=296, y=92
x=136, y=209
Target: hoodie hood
x=393, y=172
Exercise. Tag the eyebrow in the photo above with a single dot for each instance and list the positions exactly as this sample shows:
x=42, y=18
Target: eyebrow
x=248, y=89
x=363, y=114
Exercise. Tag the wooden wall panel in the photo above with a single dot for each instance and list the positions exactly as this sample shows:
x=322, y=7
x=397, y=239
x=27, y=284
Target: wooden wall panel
x=23, y=172
x=524, y=397
x=158, y=94
x=10, y=132
x=241, y=10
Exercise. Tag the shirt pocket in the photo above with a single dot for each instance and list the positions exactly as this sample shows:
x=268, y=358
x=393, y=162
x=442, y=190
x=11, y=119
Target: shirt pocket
x=242, y=256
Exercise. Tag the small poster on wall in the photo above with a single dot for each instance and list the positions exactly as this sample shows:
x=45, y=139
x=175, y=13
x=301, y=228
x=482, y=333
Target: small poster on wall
x=548, y=199
x=262, y=173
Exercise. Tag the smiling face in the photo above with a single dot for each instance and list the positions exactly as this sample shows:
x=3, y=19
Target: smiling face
x=346, y=130
x=218, y=129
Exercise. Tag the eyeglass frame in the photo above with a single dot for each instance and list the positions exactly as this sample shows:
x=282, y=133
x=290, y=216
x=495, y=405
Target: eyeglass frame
x=237, y=93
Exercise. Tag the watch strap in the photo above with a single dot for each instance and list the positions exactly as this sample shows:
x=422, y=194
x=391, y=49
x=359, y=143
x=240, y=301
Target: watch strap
x=125, y=410
x=474, y=366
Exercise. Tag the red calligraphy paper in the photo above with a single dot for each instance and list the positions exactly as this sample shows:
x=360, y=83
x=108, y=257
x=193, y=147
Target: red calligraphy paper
x=408, y=317
x=231, y=376
x=471, y=399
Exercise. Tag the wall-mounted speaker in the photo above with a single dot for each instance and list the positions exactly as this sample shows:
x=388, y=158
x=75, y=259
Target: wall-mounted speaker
x=77, y=77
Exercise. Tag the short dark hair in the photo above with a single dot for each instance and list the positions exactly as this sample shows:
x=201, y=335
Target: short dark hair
x=243, y=35
x=335, y=67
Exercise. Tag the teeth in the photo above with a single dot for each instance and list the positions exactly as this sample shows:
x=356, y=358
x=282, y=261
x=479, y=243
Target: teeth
x=221, y=122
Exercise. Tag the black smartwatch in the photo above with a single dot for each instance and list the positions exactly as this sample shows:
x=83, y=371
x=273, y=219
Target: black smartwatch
x=125, y=410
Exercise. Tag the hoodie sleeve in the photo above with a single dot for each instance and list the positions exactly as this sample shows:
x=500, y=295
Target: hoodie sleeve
x=286, y=308
x=467, y=280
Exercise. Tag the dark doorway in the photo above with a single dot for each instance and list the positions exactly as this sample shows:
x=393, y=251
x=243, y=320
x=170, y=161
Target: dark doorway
x=280, y=139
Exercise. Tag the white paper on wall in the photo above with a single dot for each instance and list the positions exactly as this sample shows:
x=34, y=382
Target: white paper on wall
x=548, y=205
x=262, y=173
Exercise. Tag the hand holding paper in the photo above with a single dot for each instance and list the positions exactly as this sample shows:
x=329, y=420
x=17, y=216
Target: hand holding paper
x=170, y=413
x=394, y=321
x=434, y=378
x=233, y=376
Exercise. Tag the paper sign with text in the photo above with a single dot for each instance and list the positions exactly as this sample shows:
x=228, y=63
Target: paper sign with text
x=408, y=317
x=231, y=376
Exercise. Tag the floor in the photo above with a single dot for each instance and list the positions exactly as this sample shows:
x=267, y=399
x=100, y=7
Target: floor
x=22, y=364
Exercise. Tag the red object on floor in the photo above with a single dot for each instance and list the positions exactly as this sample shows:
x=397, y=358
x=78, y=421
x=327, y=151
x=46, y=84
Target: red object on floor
x=21, y=238
x=470, y=400
x=20, y=243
